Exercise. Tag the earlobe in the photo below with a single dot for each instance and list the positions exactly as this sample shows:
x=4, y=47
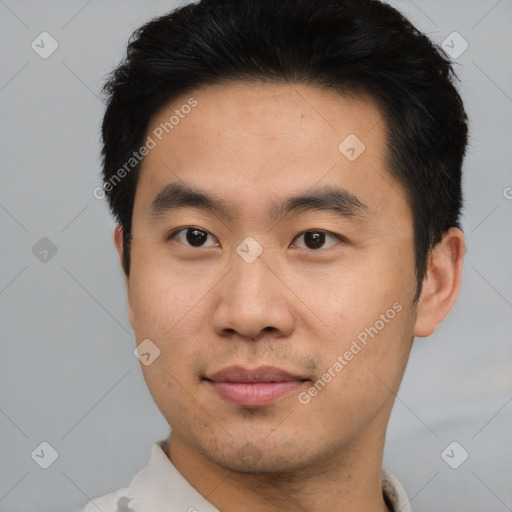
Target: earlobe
x=442, y=282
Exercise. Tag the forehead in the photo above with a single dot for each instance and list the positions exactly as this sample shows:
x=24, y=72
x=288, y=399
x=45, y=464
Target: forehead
x=252, y=140
x=298, y=114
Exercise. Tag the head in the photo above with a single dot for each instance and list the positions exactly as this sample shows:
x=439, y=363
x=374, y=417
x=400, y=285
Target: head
x=332, y=135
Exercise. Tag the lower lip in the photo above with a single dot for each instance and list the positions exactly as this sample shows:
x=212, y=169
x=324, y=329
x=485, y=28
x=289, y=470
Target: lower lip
x=255, y=394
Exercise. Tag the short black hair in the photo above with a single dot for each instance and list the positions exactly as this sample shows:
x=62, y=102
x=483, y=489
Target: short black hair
x=350, y=46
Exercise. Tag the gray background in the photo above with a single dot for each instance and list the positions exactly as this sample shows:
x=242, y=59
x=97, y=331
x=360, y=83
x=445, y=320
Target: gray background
x=68, y=373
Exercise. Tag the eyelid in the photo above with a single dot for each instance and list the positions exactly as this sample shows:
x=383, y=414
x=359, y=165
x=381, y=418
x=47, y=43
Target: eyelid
x=340, y=238
x=177, y=231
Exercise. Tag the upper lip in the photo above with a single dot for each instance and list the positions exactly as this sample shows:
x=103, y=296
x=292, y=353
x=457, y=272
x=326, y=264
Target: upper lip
x=260, y=374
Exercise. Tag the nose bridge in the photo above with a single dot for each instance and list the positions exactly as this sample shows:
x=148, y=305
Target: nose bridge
x=252, y=281
x=252, y=299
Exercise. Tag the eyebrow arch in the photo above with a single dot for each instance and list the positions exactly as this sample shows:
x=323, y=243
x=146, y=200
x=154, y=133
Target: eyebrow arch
x=330, y=198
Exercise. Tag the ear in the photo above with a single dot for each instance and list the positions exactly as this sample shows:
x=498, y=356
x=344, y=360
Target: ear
x=119, y=242
x=441, y=284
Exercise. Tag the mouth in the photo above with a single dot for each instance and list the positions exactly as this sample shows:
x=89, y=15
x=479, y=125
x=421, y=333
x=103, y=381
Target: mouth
x=254, y=387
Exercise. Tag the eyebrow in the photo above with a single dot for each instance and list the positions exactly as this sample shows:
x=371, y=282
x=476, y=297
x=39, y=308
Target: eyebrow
x=338, y=201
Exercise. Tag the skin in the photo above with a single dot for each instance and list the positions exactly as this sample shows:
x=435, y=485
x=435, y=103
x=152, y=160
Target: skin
x=294, y=307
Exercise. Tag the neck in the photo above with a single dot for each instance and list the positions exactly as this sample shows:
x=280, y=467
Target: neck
x=347, y=480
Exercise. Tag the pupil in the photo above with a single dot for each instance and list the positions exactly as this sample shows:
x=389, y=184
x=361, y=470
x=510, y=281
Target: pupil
x=314, y=239
x=196, y=237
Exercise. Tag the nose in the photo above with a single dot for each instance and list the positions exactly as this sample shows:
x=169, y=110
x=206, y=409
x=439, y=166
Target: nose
x=253, y=302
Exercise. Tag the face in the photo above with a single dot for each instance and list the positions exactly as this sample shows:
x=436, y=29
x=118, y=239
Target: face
x=300, y=258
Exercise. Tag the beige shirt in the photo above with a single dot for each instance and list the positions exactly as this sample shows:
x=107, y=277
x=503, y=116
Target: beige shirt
x=160, y=487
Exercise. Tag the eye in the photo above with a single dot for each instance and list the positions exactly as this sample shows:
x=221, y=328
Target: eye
x=194, y=237
x=316, y=239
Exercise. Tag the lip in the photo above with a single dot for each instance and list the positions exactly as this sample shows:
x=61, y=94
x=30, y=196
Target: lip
x=260, y=374
x=254, y=387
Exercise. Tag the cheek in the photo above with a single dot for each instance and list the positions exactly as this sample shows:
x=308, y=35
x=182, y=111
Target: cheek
x=169, y=388
x=360, y=377
x=173, y=321
x=164, y=300
x=370, y=332
x=168, y=310
x=349, y=300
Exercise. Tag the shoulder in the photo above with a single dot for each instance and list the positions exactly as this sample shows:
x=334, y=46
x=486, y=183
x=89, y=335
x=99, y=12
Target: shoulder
x=394, y=492
x=117, y=501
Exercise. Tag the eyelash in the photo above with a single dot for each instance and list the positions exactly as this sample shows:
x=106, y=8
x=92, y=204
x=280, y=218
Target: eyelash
x=175, y=233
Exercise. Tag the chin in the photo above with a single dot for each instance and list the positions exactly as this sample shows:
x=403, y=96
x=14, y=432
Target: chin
x=250, y=458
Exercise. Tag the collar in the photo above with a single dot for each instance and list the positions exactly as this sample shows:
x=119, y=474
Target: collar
x=159, y=484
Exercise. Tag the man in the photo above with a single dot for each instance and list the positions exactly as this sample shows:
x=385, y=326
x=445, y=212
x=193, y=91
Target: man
x=286, y=177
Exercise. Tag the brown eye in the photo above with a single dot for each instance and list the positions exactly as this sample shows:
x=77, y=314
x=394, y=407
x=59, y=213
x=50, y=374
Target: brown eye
x=194, y=237
x=316, y=239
